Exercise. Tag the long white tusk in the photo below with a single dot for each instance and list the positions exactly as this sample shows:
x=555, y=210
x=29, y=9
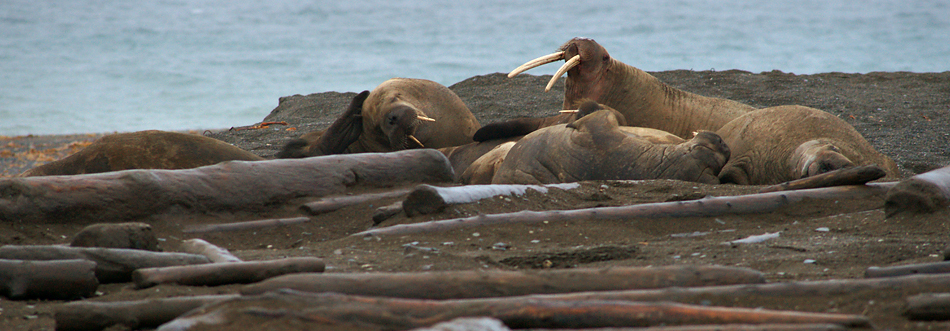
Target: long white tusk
x=569, y=111
x=537, y=62
x=425, y=118
x=416, y=140
x=573, y=62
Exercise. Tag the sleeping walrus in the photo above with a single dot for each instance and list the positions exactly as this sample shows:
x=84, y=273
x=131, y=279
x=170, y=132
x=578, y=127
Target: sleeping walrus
x=783, y=143
x=643, y=99
x=595, y=147
x=400, y=113
x=150, y=149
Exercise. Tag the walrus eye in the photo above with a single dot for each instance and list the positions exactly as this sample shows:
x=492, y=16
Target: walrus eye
x=606, y=57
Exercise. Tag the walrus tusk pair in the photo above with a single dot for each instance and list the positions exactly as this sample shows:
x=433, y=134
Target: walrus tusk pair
x=424, y=118
x=573, y=62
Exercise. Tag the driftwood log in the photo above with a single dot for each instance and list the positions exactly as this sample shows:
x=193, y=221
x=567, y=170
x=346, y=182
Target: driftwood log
x=113, y=265
x=480, y=284
x=215, y=274
x=428, y=199
x=923, y=193
x=228, y=186
x=329, y=204
x=214, y=253
x=729, y=295
x=492, y=324
x=516, y=312
x=742, y=204
x=248, y=225
x=385, y=212
x=133, y=315
x=859, y=175
x=928, y=307
x=910, y=269
x=57, y=280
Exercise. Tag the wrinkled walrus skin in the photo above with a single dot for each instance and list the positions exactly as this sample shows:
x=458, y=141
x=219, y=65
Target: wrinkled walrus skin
x=150, y=149
x=387, y=120
x=778, y=144
x=594, y=148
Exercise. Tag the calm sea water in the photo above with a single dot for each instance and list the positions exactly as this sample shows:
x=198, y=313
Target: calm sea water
x=114, y=65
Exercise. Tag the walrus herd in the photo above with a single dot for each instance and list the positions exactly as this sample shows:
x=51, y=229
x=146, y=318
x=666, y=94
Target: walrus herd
x=619, y=122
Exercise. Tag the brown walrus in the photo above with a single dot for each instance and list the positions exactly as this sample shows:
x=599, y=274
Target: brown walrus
x=400, y=113
x=150, y=149
x=644, y=100
x=778, y=144
x=595, y=147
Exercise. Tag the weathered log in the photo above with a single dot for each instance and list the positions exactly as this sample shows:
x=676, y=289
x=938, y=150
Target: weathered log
x=492, y=324
x=859, y=175
x=910, y=269
x=480, y=284
x=516, y=312
x=113, y=265
x=215, y=274
x=133, y=315
x=248, y=225
x=928, y=307
x=214, y=253
x=716, y=206
x=229, y=186
x=326, y=205
x=427, y=199
x=728, y=295
x=385, y=212
x=923, y=193
x=57, y=280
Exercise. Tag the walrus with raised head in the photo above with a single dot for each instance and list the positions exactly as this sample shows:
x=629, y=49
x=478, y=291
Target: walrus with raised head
x=778, y=144
x=643, y=99
x=595, y=147
x=400, y=113
x=150, y=149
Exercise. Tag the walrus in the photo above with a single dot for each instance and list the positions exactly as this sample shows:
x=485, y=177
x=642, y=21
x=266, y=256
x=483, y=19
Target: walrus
x=400, y=113
x=151, y=149
x=778, y=144
x=595, y=147
x=643, y=99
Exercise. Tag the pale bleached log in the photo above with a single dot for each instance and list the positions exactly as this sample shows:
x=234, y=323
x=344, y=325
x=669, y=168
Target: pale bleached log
x=858, y=175
x=228, y=186
x=708, y=207
x=248, y=225
x=113, y=265
x=928, y=307
x=214, y=253
x=479, y=284
x=910, y=269
x=427, y=199
x=299, y=309
x=328, y=204
x=55, y=280
x=132, y=315
x=224, y=273
x=924, y=193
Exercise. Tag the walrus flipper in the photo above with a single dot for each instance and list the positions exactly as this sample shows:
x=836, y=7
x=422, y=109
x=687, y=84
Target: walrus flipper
x=507, y=129
x=344, y=131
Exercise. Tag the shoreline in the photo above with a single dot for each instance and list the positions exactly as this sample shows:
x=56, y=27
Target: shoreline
x=903, y=114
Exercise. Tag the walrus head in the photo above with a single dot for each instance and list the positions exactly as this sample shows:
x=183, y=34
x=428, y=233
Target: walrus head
x=399, y=126
x=586, y=62
x=816, y=157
